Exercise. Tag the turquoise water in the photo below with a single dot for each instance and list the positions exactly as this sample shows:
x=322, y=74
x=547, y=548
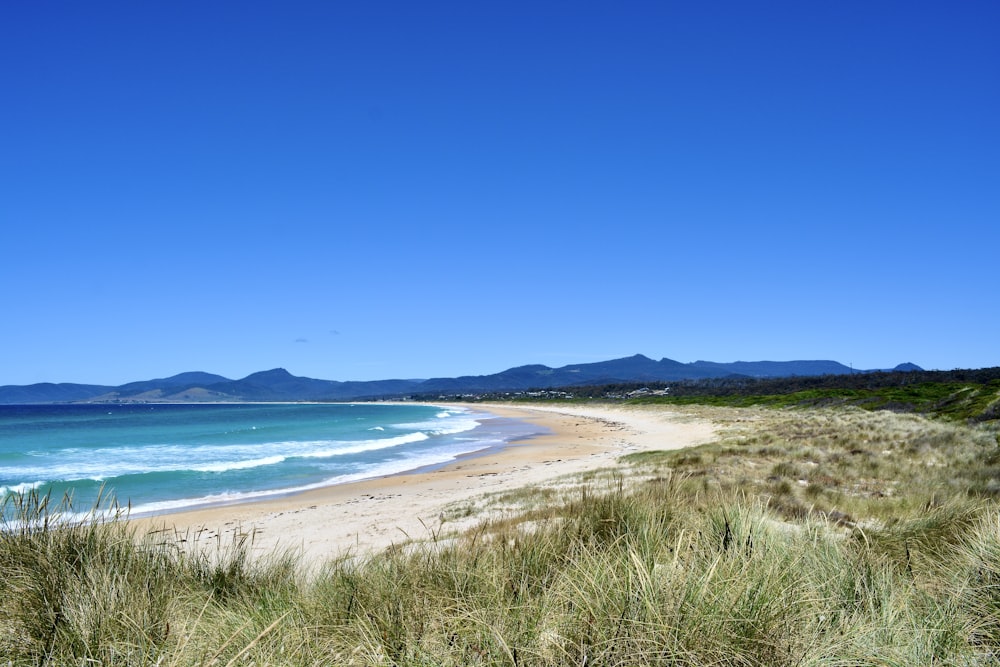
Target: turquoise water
x=160, y=458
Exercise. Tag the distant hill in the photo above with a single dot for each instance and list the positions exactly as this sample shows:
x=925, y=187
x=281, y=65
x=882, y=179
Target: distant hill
x=637, y=368
x=171, y=384
x=47, y=392
x=777, y=368
x=280, y=385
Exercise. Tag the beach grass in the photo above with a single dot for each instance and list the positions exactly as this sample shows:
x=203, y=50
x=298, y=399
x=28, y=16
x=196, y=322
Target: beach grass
x=798, y=537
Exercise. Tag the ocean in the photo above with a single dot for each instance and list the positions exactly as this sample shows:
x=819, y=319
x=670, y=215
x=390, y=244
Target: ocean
x=158, y=458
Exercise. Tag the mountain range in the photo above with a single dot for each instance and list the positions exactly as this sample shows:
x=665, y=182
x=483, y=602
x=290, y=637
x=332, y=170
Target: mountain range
x=280, y=385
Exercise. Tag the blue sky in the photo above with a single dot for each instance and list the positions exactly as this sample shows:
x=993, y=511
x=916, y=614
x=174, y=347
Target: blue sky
x=358, y=191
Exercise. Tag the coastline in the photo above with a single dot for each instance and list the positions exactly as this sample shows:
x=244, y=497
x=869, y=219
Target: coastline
x=369, y=515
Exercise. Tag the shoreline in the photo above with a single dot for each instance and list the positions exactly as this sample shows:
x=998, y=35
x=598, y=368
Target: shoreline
x=368, y=515
x=483, y=446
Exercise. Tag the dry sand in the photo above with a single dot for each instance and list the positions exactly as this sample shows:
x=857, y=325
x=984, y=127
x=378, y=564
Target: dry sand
x=373, y=514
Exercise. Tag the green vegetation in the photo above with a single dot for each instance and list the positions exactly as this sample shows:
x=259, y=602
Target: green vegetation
x=971, y=395
x=950, y=400
x=799, y=537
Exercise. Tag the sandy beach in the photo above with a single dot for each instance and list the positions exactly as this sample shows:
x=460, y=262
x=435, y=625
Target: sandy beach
x=374, y=514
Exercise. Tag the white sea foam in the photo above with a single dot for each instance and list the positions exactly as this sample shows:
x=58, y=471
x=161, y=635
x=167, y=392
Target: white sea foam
x=19, y=488
x=445, y=424
x=362, y=446
x=100, y=465
x=240, y=465
x=425, y=459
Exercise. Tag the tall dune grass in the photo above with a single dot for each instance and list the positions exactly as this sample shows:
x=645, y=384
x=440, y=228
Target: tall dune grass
x=677, y=558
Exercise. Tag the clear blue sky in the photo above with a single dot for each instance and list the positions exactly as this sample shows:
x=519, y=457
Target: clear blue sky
x=368, y=190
